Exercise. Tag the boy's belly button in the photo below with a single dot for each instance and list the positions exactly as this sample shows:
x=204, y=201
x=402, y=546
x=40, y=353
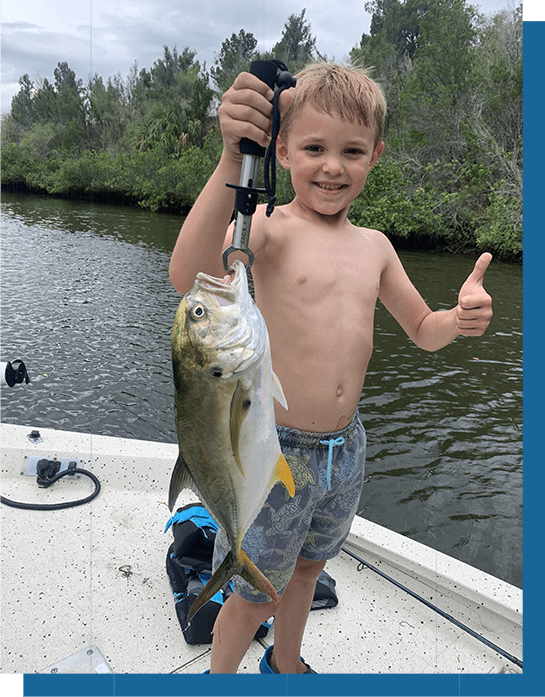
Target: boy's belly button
x=340, y=391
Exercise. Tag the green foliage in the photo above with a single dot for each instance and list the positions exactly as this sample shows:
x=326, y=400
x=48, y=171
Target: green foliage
x=500, y=229
x=34, y=159
x=385, y=205
x=234, y=57
x=452, y=177
x=21, y=104
x=297, y=47
x=426, y=210
x=452, y=79
x=166, y=182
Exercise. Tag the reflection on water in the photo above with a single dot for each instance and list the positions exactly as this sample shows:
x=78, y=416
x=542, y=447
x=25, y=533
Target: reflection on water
x=87, y=304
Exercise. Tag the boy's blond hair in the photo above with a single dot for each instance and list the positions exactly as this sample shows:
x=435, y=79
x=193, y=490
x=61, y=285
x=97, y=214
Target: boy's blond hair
x=347, y=90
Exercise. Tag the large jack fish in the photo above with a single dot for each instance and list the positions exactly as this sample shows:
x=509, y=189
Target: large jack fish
x=224, y=389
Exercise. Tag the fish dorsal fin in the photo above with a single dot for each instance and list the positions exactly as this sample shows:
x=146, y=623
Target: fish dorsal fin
x=282, y=473
x=278, y=392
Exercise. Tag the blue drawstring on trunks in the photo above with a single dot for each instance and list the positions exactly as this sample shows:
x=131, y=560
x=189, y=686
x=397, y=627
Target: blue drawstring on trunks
x=332, y=442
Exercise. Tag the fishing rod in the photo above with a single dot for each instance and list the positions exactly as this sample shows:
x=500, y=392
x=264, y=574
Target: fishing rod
x=246, y=191
x=438, y=610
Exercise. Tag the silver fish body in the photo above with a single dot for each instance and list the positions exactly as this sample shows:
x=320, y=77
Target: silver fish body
x=224, y=389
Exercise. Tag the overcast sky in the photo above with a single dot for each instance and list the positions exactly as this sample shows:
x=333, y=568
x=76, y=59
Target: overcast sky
x=107, y=36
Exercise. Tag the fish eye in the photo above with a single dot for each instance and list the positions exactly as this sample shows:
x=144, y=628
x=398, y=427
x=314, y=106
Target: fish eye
x=197, y=312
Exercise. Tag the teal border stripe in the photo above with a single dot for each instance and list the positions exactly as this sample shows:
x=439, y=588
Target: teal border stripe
x=533, y=272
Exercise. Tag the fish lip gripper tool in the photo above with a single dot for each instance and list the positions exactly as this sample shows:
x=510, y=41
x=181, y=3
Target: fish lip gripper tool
x=246, y=191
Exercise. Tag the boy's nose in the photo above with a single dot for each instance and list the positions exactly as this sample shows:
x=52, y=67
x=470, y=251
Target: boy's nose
x=333, y=165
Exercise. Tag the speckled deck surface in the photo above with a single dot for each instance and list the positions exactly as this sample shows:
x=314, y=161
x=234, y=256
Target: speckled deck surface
x=94, y=575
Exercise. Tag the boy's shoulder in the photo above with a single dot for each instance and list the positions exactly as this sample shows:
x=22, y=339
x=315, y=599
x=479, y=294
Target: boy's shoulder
x=377, y=238
x=284, y=223
x=372, y=234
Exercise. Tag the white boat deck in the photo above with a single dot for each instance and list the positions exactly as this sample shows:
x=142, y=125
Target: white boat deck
x=93, y=578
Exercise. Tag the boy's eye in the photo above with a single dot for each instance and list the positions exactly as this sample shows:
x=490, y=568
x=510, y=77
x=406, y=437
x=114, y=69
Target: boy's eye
x=313, y=148
x=354, y=151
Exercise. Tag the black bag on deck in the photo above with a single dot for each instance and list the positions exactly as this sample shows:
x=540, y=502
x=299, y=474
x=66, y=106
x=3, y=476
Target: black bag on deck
x=189, y=568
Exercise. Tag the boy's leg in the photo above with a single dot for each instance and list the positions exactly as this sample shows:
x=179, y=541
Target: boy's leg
x=239, y=620
x=291, y=616
x=235, y=627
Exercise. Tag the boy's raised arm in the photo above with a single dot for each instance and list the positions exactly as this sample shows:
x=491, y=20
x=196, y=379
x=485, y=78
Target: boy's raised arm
x=434, y=330
x=470, y=317
x=245, y=112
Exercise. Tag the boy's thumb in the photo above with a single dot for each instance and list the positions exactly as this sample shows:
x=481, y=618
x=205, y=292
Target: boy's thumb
x=481, y=265
x=285, y=100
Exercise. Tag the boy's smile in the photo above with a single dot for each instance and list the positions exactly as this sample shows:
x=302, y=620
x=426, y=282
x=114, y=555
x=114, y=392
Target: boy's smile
x=329, y=159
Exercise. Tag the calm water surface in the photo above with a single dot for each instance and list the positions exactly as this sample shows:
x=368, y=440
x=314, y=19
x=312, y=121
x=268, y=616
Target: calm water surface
x=87, y=304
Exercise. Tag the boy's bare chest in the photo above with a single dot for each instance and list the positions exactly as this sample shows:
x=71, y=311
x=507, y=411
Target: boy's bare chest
x=348, y=270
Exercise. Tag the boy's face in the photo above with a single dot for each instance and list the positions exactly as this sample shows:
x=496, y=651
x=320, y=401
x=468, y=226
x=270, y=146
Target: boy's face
x=329, y=159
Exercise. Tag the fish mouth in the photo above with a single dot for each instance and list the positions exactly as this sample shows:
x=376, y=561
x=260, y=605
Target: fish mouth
x=214, y=283
x=222, y=289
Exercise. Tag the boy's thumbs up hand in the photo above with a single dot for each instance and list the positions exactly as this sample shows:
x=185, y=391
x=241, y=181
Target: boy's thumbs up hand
x=474, y=308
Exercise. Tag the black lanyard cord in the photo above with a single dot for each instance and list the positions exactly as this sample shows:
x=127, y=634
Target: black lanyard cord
x=284, y=81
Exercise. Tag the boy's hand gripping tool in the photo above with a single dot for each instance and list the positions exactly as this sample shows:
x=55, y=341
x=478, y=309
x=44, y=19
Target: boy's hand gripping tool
x=246, y=191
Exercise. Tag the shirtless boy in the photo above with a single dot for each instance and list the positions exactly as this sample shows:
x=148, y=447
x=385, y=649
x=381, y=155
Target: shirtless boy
x=317, y=278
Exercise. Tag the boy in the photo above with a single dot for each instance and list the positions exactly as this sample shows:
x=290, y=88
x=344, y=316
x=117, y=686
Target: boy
x=317, y=278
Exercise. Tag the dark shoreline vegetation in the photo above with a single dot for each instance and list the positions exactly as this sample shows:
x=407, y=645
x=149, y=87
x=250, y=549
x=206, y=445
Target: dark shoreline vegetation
x=450, y=177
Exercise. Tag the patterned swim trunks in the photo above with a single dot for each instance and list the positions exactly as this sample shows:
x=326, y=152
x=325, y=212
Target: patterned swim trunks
x=328, y=471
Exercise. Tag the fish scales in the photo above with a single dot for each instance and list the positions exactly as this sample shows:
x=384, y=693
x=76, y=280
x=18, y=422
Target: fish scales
x=224, y=389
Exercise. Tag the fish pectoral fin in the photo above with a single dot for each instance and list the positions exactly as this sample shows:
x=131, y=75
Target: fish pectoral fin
x=240, y=405
x=282, y=473
x=278, y=392
x=180, y=479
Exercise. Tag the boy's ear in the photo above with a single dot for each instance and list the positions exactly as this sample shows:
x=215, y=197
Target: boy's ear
x=377, y=152
x=282, y=153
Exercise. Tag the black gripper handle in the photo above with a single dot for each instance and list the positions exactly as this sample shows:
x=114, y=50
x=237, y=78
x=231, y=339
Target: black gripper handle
x=266, y=71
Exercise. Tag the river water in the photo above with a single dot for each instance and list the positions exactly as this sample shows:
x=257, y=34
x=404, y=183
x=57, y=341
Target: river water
x=88, y=306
